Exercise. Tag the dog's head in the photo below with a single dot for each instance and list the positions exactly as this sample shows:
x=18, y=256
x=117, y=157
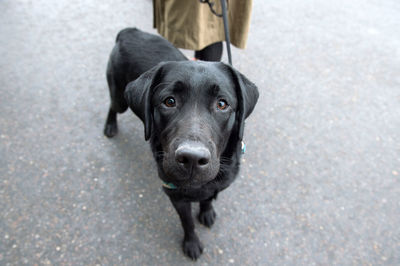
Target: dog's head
x=192, y=112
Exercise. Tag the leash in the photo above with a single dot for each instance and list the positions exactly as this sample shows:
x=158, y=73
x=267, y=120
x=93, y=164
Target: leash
x=226, y=28
x=225, y=21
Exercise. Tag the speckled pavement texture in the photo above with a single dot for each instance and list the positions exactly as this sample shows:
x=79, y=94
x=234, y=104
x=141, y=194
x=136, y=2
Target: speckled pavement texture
x=319, y=185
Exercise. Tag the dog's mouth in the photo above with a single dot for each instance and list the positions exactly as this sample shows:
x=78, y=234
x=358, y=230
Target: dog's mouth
x=192, y=182
x=186, y=185
x=187, y=180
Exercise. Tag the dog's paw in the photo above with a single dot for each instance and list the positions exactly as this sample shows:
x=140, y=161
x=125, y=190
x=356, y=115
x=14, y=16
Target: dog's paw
x=208, y=217
x=192, y=248
x=110, y=130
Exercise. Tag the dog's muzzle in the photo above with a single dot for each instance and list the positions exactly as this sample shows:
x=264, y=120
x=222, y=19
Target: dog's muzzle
x=190, y=163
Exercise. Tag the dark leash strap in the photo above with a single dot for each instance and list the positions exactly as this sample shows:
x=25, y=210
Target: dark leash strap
x=226, y=28
x=226, y=25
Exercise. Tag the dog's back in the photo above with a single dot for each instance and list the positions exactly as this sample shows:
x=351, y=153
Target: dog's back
x=134, y=53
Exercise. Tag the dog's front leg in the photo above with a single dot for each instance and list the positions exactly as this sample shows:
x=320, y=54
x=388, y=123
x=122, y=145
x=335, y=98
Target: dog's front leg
x=191, y=245
x=207, y=214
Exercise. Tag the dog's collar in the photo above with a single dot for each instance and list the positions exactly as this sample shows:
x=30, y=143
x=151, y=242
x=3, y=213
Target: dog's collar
x=172, y=186
x=243, y=145
x=169, y=185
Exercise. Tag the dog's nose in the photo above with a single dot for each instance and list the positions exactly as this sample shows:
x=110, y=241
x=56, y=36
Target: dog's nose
x=192, y=155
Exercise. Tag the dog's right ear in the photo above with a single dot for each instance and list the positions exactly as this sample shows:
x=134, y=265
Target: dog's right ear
x=138, y=94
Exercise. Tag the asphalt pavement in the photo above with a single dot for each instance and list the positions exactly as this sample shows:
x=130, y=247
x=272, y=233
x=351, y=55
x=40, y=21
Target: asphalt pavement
x=320, y=181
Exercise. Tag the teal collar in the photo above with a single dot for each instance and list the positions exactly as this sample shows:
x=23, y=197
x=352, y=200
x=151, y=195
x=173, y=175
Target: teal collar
x=169, y=185
x=243, y=147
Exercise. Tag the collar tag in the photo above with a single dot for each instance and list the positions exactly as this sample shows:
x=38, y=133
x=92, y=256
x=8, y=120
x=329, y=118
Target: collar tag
x=243, y=147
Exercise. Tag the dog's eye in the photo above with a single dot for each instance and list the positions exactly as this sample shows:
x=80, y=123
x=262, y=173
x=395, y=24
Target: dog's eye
x=170, y=102
x=222, y=104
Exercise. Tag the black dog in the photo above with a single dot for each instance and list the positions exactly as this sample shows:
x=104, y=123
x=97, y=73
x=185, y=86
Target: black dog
x=193, y=114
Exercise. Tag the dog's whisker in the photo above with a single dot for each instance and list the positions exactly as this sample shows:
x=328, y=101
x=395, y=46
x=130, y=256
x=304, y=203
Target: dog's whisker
x=159, y=155
x=225, y=160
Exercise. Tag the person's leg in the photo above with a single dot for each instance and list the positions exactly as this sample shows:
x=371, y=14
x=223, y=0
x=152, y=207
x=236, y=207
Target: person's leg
x=213, y=52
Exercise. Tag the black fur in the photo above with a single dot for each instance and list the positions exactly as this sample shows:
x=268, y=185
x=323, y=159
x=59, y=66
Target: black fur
x=193, y=115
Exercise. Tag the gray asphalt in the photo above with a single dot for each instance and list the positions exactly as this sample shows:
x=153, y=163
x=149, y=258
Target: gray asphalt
x=320, y=182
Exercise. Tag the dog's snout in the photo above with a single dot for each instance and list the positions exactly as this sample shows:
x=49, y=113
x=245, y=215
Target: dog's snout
x=192, y=156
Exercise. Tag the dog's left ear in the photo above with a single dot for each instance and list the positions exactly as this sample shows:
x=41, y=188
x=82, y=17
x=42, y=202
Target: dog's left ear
x=247, y=95
x=138, y=94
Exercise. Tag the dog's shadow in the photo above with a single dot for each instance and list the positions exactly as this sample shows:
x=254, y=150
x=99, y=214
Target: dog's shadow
x=151, y=216
x=131, y=157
